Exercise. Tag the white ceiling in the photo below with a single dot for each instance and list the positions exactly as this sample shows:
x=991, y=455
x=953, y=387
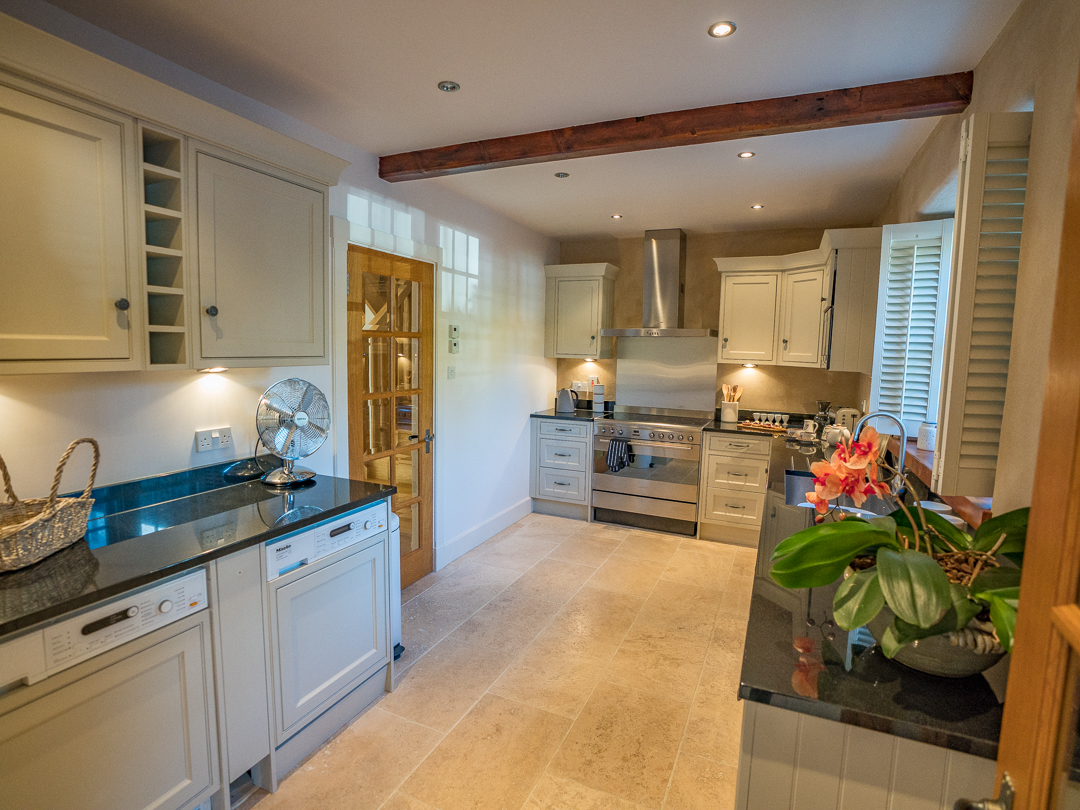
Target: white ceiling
x=365, y=71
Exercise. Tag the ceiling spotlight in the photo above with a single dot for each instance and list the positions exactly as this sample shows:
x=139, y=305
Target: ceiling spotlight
x=449, y=87
x=746, y=154
x=749, y=365
x=616, y=216
x=561, y=175
x=722, y=29
x=757, y=206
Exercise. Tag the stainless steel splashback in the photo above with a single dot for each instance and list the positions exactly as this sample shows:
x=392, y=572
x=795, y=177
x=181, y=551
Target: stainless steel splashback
x=677, y=372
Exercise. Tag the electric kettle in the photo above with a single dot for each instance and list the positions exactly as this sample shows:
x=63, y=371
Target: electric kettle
x=565, y=401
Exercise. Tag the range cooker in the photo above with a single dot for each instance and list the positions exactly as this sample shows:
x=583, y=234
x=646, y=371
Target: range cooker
x=658, y=489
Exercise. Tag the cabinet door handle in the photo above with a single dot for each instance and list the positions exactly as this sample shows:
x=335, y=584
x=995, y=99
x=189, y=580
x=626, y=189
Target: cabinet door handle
x=562, y=483
x=725, y=340
x=212, y=311
x=733, y=506
x=562, y=455
x=737, y=445
x=123, y=304
x=785, y=341
x=563, y=430
x=737, y=475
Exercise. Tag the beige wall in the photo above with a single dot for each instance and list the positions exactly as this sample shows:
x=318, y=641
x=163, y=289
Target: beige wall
x=787, y=389
x=1033, y=65
x=568, y=370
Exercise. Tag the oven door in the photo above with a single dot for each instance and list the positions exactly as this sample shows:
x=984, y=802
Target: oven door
x=656, y=470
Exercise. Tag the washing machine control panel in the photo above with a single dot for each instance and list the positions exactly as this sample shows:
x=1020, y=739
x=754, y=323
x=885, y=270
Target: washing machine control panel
x=289, y=553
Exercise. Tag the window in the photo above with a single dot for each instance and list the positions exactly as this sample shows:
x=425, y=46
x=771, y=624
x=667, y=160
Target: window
x=913, y=295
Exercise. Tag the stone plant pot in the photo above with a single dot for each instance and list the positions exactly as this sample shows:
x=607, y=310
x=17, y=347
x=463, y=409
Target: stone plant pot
x=935, y=655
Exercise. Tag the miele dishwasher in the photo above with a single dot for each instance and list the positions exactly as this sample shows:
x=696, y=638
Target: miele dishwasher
x=329, y=621
x=111, y=708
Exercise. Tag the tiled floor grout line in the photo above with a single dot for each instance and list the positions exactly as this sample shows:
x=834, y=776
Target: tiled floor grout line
x=693, y=700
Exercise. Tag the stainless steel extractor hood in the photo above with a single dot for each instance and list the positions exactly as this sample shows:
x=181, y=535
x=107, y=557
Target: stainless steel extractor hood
x=664, y=279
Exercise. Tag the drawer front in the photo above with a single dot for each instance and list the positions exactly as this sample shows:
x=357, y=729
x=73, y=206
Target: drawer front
x=562, y=485
x=738, y=473
x=737, y=446
x=740, y=508
x=565, y=429
x=563, y=455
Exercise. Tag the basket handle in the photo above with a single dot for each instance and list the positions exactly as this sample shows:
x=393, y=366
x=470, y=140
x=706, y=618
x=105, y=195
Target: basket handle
x=12, y=497
x=60, y=471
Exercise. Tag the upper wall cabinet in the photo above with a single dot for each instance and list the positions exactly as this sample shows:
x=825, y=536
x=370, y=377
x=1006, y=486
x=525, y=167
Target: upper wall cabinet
x=813, y=309
x=261, y=239
x=173, y=235
x=580, y=301
x=66, y=232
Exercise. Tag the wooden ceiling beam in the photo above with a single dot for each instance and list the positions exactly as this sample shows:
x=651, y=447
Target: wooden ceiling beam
x=870, y=104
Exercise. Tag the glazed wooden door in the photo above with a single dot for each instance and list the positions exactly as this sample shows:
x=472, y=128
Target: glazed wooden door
x=391, y=391
x=1040, y=746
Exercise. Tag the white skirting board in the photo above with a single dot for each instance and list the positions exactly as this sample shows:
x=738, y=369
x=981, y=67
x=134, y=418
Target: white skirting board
x=448, y=552
x=793, y=761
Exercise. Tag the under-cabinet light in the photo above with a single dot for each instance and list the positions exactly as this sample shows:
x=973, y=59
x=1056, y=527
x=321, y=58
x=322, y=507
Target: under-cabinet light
x=749, y=365
x=214, y=370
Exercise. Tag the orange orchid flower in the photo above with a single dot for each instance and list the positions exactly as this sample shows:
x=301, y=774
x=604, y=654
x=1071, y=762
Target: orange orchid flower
x=851, y=471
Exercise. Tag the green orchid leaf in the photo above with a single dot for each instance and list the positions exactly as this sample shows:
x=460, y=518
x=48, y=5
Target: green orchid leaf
x=995, y=579
x=821, y=560
x=817, y=535
x=1013, y=525
x=886, y=524
x=1003, y=615
x=890, y=644
x=914, y=585
x=858, y=599
x=960, y=613
x=958, y=539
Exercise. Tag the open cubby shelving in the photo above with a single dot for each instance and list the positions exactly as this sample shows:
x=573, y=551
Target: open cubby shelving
x=163, y=217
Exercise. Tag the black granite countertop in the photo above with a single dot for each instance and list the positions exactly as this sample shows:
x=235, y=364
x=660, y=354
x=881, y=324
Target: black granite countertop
x=845, y=677
x=147, y=530
x=579, y=415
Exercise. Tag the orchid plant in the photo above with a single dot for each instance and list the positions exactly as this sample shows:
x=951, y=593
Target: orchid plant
x=934, y=577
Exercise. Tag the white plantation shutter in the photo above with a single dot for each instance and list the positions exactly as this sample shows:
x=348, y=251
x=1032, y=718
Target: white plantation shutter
x=909, y=339
x=990, y=205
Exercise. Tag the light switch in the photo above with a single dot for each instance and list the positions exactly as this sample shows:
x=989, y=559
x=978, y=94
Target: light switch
x=454, y=331
x=451, y=372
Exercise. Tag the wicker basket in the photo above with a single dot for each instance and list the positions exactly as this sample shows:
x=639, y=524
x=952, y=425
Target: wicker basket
x=32, y=530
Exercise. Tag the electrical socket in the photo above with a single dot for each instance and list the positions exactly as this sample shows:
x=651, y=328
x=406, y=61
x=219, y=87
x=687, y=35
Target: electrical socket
x=213, y=439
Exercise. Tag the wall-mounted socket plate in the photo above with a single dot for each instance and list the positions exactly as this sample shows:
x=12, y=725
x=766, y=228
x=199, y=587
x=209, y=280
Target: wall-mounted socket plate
x=213, y=439
x=455, y=331
x=455, y=346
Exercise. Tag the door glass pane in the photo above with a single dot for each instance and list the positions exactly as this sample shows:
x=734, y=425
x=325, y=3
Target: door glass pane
x=377, y=425
x=408, y=363
x=407, y=474
x=378, y=471
x=376, y=292
x=1068, y=786
x=407, y=306
x=376, y=364
x=408, y=419
x=410, y=528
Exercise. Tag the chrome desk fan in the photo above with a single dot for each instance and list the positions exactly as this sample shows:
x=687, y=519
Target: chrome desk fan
x=292, y=421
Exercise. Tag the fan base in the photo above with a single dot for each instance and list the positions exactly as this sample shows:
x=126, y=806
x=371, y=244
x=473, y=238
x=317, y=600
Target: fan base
x=283, y=478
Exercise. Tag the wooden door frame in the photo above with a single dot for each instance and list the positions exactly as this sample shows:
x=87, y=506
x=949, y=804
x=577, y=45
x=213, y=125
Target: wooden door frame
x=1038, y=689
x=345, y=233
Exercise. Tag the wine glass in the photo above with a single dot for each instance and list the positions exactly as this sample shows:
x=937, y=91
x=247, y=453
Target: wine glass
x=757, y=417
x=775, y=419
x=783, y=418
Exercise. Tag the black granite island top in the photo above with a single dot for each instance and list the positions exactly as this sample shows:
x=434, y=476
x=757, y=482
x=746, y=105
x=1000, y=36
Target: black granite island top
x=795, y=658
x=147, y=530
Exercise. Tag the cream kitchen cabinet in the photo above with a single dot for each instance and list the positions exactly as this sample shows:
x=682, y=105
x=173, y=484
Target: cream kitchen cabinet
x=579, y=303
x=261, y=251
x=802, y=317
x=733, y=486
x=749, y=317
x=67, y=265
x=561, y=470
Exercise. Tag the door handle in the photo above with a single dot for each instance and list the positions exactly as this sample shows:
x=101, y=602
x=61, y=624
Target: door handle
x=562, y=455
x=429, y=437
x=733, y=506
x=563, y=430
x=1004, y=801
x=737, y=475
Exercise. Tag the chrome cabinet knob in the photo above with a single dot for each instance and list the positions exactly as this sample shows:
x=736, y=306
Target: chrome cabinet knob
x=123, y=304
x=212, y=311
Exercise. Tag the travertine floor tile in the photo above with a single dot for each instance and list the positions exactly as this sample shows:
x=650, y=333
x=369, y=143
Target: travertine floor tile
x=598, y=618
x=509, y=622
x=421, y=585
x=701, y=783
x=624, y=742
x=698, y=568
x=585, y=549
x=656, y=663
x=400, y=801
x=643, y=546
x=491, y=759
x=522, y=551
x=680, y=612
x=551, y=580
x=556, y=793
x=627, y=575
x=715, y=735
x=443, y=685
x=359, y=769
x=551, y=676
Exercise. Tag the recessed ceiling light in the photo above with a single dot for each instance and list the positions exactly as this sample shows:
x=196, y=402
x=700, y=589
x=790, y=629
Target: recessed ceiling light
x=724, y=28
x=746, y=154
x=616, y=216
x=561, y=175
x=449, y=87
x=757, y=206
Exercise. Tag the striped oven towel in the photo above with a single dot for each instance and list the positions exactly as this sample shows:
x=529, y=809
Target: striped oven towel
x=618, y=454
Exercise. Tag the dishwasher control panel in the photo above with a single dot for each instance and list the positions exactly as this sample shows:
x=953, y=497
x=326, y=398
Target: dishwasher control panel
x=289, y=553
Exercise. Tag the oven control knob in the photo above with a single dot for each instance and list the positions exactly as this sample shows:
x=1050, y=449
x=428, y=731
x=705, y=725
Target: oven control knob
x=165, y=607
x=671, y=435
x=690, y=438
x=680, y=438
x=620, y=431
